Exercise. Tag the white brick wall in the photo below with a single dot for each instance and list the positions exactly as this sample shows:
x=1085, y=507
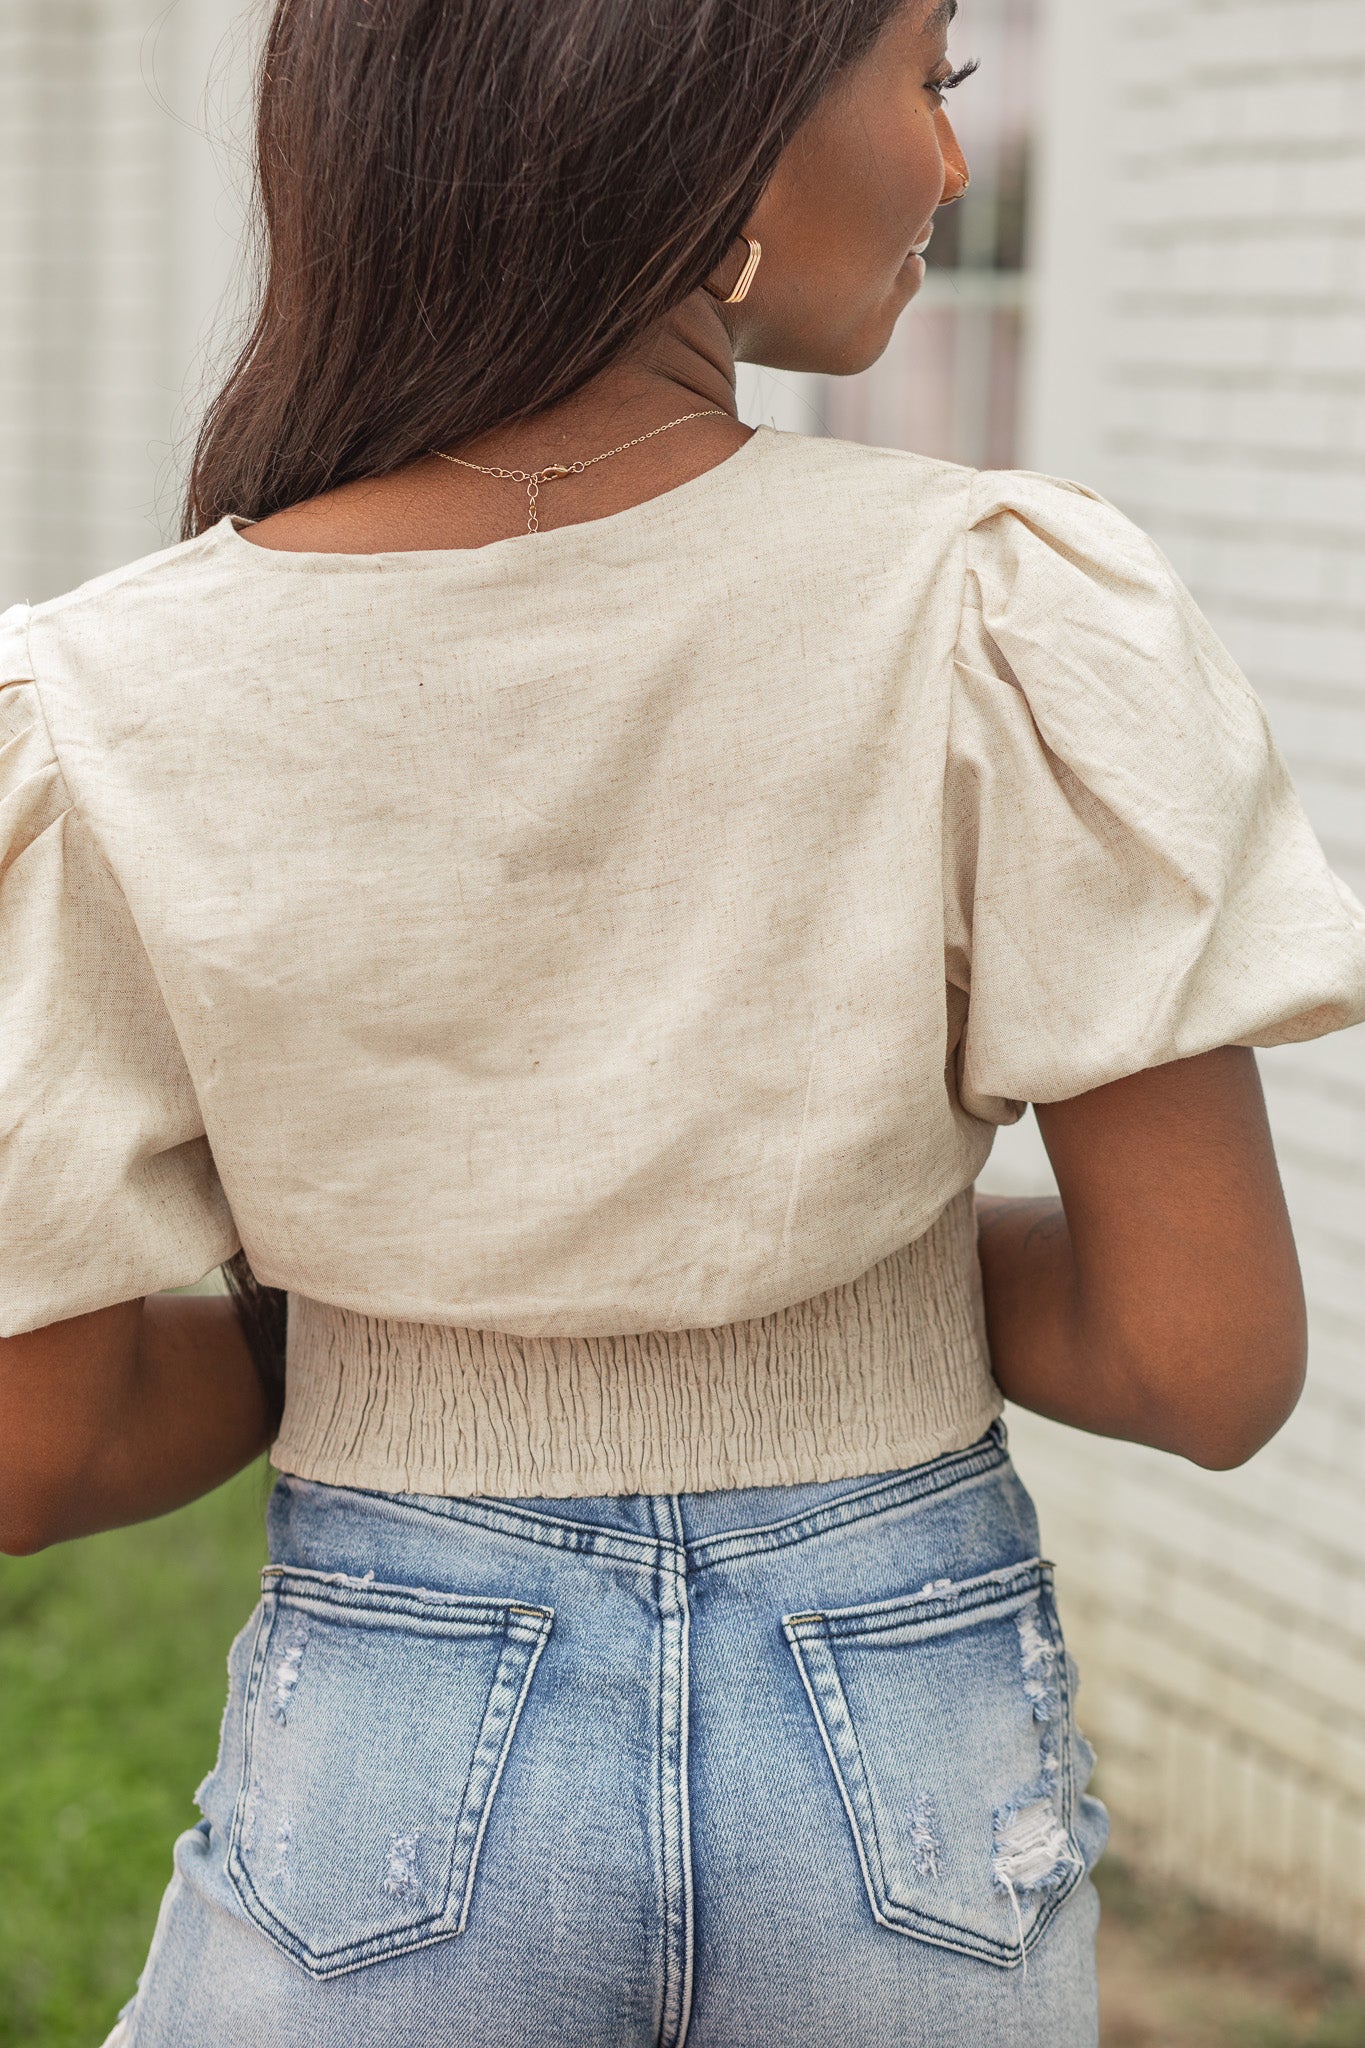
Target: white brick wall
x=114, y=251
x=1212, y=266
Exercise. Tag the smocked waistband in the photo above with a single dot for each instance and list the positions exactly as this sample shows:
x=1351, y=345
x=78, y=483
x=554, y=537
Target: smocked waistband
x=883, y=1373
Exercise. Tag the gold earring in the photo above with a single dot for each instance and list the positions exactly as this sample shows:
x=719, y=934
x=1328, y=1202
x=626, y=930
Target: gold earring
x=746, y=276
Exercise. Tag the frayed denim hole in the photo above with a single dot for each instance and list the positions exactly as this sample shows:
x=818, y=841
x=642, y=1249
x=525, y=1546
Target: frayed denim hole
x=1039, y=1657
x=926, y=1837
x=288, y=1666
x=1033, y=1852
x=284, y=1843
x=402, y=1879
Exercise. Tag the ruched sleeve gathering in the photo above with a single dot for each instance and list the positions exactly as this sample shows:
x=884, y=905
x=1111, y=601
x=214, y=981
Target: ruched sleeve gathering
x=1130, y=878
x=107, y=1186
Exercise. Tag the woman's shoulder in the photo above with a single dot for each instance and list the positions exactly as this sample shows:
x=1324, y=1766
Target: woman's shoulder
x=161, y=575
x=1008, y=507
x=846, y=488
x=102, y=652
x=992, y=506
x=1082, y=601
x=128, y=615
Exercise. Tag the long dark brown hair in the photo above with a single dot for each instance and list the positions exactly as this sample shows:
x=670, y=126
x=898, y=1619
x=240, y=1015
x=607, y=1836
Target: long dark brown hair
x=469, y=208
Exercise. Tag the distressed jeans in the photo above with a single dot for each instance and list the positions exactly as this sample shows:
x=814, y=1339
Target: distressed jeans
x=794, y=1767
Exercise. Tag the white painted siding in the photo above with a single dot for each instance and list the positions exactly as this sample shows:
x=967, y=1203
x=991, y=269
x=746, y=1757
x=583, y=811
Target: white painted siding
x=1201, y=358
x=114, y=249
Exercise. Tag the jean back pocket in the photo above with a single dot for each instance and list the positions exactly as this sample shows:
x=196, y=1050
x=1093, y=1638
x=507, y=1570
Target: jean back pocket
x=378, y=1722
x=946, y=1718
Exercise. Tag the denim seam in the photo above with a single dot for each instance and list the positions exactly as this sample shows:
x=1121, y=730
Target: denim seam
x=675, y=1848
x=927, y=1483
x=580, y=1539
x=1001, y=1592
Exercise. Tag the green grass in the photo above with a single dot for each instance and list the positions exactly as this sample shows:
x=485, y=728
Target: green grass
x=112, y=1678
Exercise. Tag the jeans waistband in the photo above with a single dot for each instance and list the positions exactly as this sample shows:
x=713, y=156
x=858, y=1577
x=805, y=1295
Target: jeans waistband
x=700, y=1528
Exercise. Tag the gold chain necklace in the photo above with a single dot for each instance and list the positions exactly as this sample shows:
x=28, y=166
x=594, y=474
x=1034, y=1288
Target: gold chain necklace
x=534, y=478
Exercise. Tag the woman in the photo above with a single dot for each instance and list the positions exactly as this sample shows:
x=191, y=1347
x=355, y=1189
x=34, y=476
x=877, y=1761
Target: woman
x=568, y=890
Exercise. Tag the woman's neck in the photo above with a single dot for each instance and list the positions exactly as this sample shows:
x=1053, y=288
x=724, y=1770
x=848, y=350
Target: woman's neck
x=686, y=366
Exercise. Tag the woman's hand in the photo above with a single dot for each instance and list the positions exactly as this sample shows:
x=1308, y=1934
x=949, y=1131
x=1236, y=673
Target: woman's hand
x=1160, y=1300
x=121, y=1415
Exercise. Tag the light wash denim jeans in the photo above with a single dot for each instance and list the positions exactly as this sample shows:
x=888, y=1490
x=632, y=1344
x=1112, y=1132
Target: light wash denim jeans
x=793, y=1767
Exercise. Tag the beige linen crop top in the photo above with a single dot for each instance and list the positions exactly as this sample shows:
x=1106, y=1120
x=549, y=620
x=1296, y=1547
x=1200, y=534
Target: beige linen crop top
x=639, y=928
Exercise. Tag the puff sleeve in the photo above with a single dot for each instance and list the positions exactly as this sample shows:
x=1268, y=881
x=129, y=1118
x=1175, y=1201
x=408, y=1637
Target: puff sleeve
x=1130, y=878
x=107, y=1186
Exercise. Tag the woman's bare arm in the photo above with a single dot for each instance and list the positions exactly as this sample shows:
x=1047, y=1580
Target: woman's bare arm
x=121, y=1415
x=1160, y=1299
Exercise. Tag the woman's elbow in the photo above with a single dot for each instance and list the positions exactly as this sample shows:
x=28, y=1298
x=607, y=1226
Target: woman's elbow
x=46, y=1474
x=1231, y=1415
x=1225, y=1450
x=37, y=1509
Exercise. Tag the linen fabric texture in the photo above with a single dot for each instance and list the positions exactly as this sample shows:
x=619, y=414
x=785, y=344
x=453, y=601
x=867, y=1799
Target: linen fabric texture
x=640, y=927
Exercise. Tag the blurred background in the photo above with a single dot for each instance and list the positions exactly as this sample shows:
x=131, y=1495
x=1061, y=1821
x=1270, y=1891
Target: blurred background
x=1156, y=285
